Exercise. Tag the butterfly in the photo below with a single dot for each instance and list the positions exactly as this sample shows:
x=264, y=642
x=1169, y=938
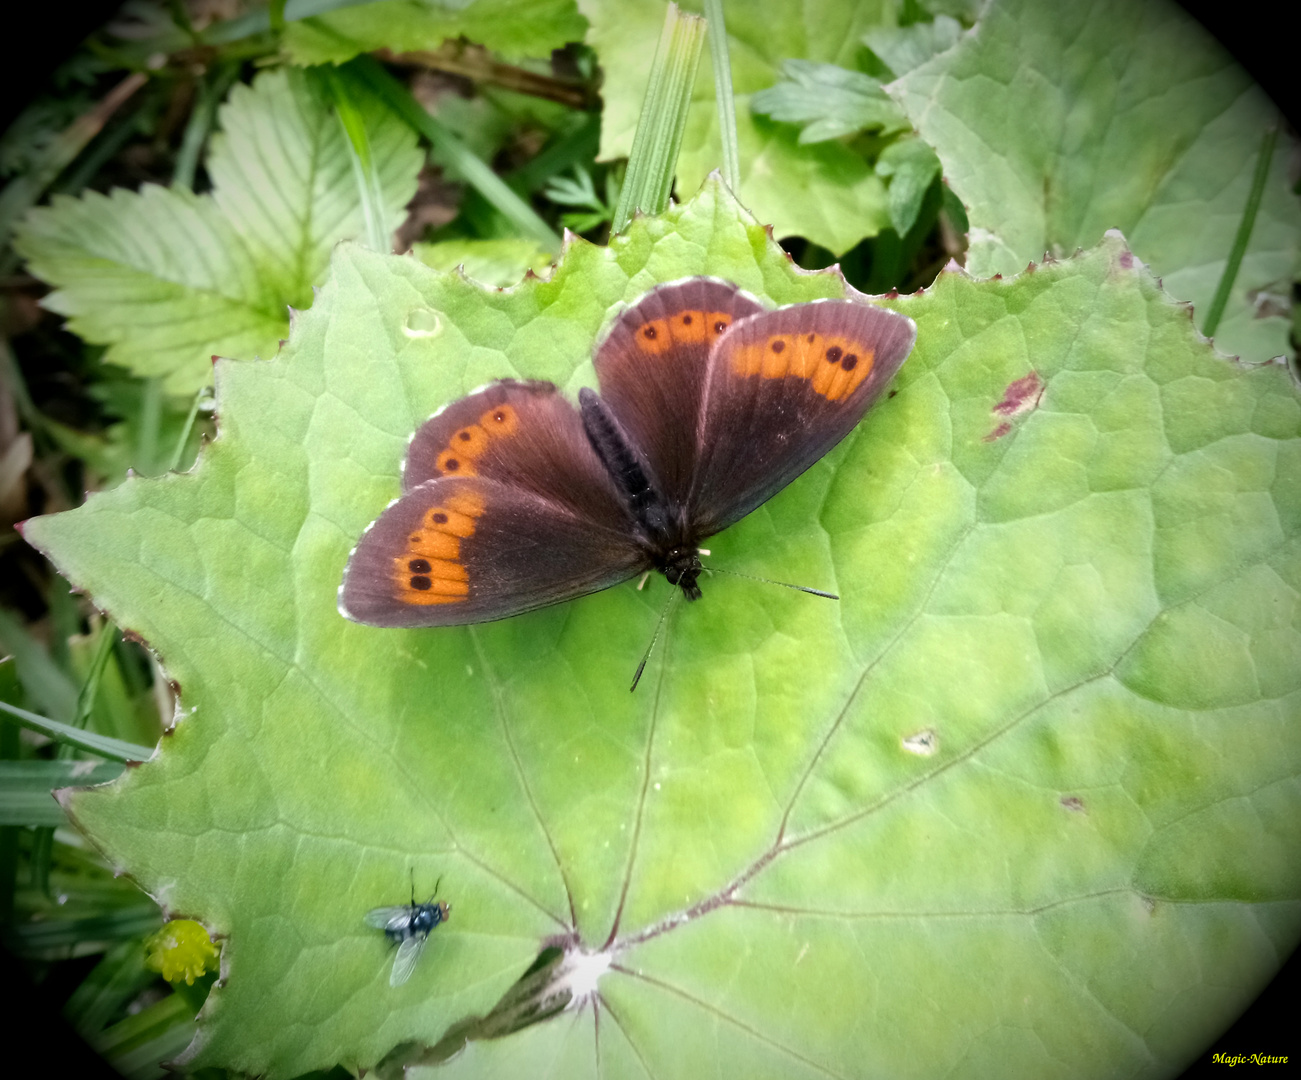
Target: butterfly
x=410, y=926
x=710, y=403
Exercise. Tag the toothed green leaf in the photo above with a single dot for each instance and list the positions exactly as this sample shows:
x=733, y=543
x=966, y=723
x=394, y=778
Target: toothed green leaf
x=1058, y=122
x=168, y=279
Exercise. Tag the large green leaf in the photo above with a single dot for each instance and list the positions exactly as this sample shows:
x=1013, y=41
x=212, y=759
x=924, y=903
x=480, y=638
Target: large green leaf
x=1024, y=802
x=166, y=279
x=825, y=191
x=1057, y=122
x=515, y=28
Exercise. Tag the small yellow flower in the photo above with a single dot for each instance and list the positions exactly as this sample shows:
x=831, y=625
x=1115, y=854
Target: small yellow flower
x=181, y=950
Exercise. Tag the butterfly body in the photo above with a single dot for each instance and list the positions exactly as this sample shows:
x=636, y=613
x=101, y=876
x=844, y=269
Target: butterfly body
x=709, y=404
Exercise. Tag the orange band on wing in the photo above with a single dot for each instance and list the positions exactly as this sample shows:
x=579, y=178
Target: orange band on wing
x=430, y=570
x=681, y=328
x=469, y=443
x=835, y=365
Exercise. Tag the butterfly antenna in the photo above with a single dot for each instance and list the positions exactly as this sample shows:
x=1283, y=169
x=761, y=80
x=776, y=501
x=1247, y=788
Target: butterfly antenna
x=769, y=581
x=654, y=638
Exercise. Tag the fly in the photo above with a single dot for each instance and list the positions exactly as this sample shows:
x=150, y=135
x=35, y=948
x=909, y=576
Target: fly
x=409, y=925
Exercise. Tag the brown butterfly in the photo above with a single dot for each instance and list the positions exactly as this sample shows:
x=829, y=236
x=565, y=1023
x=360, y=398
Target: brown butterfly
x=710, y=404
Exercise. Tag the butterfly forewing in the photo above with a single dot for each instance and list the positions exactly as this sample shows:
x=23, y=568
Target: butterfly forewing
x=783, y=388
x=652, y=365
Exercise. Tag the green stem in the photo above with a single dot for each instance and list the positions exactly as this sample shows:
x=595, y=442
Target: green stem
x=1216, y=311
x=652, y=163
x=723, y=94
x=468, y=166
x=211, y=90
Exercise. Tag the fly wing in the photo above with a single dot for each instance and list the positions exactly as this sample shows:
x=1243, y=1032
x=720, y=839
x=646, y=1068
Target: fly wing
x=404, y=963
x=388, y=918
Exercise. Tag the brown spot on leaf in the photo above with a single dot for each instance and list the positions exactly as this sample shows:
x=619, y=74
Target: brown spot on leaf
x=1021, y=395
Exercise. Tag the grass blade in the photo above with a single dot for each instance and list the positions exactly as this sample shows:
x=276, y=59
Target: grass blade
x=723, y=94
x=369, y=190
x=471, y=169
x=111, y=984
x=114, y=749
x=26, y=788
x=648, y=182
x=1221, y=299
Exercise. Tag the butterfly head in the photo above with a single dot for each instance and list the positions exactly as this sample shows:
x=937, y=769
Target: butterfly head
x=681, y=565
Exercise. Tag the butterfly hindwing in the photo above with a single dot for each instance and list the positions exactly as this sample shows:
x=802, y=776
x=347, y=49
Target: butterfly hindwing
x=651, y=366
x=506, y=508
x=470, y=549
x=783, y=388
